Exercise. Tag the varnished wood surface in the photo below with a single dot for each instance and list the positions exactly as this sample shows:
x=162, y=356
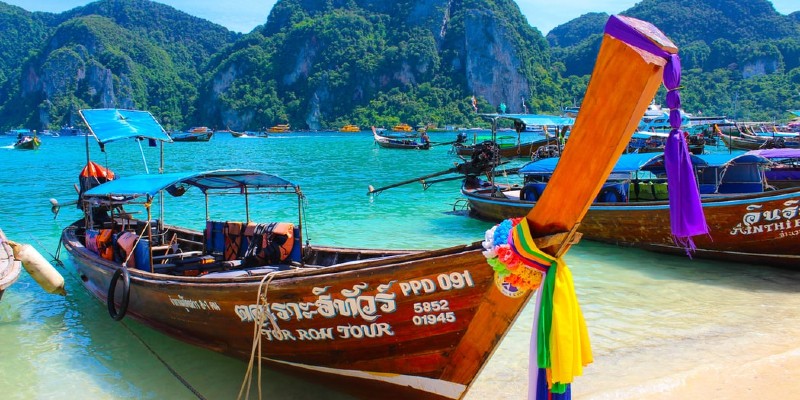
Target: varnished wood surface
x=771, y=238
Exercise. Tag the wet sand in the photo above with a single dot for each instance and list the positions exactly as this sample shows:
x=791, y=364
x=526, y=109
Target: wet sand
x=678, y=329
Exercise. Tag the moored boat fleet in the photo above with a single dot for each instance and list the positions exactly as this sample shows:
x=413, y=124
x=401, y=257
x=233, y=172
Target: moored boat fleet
x=418, y=324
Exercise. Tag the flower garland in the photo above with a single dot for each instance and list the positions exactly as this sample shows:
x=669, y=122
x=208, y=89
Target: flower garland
x=505, y=261
x=561, y=344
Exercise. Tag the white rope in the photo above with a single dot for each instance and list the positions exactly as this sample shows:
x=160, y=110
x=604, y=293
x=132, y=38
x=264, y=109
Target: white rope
x=136, y=243
x=144, y=160
x=258, y=323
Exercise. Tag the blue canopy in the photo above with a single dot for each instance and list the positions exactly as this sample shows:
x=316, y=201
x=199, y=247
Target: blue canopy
x=626, y=163
x=777, y=154
x=719, y=160
x=131, y=187
x=795, y=112
x=109, y=124
x=540, y=119
x=534, y=119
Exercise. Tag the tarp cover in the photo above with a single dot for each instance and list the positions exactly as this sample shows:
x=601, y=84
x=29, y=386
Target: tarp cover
x=534, y=119
x=626, y=163
x=776, y=154
x=109, y=124
x=141, y=185
x=718, y=160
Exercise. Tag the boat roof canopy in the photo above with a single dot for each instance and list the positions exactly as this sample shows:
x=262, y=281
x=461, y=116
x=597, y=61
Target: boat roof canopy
x=533, y=119
x=109, y=124
x=626, y=163
x=131, y=187
x=647, y=161
x=777, y=154
x=723, y=159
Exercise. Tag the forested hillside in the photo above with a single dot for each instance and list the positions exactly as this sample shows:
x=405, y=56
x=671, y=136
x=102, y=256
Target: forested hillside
x=739, y=58
x=111, y=53
x=322, y=64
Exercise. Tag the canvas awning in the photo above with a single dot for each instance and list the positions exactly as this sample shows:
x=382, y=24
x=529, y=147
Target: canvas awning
x=109, y=124
x=135, y=186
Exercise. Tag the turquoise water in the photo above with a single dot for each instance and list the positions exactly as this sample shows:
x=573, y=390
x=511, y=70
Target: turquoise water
x=652, y=318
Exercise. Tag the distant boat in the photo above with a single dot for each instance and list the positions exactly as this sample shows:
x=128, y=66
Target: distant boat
x=250, y=134
x=753, y=142
x=17, y=132
x=350, y=128
x=280, y=128
x=401, y=143
x=510, y=146
x=196, y=134
x=402, y=127
x=71, y=131
x=27, y=143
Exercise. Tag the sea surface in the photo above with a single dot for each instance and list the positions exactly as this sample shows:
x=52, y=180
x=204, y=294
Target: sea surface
x=653, y=319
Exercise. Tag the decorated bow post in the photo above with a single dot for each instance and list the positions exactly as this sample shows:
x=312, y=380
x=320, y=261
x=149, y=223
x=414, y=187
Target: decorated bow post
x=634, y=58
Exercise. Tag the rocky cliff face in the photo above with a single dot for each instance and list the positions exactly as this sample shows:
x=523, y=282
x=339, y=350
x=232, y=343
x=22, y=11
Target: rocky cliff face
x=492, y=65
x=404, y=44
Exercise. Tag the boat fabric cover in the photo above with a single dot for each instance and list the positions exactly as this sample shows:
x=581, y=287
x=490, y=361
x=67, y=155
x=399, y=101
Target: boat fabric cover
x=233, y=232
x=125, y=243
x=539, y=119
x=91, y=240
x=214, y=237
x=721, y=160
x=109, y=124
x=150, y=184
x=626, y=163
x=686, y=211
x=776, y=153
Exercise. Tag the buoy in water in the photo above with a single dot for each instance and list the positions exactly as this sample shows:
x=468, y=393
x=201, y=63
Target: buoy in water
x=39, y=268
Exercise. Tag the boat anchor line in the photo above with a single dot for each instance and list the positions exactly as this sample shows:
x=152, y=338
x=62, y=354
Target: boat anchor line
x=438, y=387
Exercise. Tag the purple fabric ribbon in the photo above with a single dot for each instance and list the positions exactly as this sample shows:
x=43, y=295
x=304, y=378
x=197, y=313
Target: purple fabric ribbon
x=685, y=208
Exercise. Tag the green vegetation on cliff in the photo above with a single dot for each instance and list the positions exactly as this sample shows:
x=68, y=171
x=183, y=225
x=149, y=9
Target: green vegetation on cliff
x=322, y=64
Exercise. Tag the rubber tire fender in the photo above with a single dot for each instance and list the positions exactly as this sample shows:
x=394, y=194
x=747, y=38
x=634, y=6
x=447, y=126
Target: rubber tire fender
x=117, y=315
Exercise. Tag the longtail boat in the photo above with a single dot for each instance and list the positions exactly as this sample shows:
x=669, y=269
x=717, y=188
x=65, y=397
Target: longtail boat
x=28, y=143
x=378, y=323
x=748, y=220
x=518, y=147
x=401, y=143
x=753, y=142
x=196, y=134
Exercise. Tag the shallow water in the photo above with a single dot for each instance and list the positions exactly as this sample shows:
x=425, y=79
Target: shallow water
x=652, y=318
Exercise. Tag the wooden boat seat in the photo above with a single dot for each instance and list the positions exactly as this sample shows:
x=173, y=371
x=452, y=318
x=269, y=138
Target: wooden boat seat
x=178, y=255
x=231, y=240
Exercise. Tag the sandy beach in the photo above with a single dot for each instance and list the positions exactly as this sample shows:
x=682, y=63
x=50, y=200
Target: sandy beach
x=729, y=332
x=757, y=370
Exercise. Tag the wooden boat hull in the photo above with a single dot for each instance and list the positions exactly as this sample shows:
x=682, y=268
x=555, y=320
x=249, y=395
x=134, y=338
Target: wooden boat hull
x=757, y=228
x=419, y=323
x=522, y=150
x=32, y=144
x=193, y=137
x=755, y=142
x=400, y=143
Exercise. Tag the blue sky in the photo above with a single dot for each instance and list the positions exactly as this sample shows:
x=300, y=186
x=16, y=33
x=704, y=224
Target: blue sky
x=244, y=15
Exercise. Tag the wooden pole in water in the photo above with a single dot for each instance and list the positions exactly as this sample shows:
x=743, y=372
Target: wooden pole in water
x=624, y=81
